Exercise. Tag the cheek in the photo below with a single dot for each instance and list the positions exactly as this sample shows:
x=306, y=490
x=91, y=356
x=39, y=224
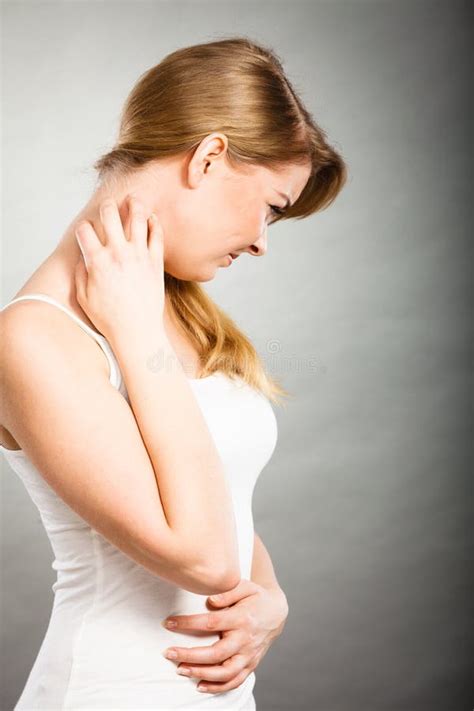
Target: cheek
x=226, y=225
x=247, y=216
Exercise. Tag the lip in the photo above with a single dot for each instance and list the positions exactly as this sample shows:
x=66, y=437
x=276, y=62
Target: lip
x=230, y=258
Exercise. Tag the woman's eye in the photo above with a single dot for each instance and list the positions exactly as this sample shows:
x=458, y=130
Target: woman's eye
x=277, y=210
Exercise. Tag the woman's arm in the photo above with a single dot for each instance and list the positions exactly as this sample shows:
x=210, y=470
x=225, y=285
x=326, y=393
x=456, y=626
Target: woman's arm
x=80, y=433
x=120, y=286
x=250, y=618
x=263, y=573
x=189, y=473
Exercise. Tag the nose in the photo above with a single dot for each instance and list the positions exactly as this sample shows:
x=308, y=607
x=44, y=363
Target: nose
x=258, y=248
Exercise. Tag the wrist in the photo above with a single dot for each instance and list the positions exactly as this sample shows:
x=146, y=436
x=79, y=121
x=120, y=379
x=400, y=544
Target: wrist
x=150, y=345
x=279, y=598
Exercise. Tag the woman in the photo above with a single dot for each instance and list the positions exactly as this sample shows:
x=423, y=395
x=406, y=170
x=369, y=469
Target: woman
x=143, y=463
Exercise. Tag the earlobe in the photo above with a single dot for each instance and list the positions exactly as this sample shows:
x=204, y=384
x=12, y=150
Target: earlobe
x=197, y=175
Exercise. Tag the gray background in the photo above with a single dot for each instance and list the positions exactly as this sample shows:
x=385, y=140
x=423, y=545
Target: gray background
x=362, y=311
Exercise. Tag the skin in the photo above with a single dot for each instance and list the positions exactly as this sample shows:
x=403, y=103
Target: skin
x=207, y=211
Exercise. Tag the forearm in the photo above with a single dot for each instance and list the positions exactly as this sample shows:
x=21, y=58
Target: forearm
x=194, y=492
x=263, y=574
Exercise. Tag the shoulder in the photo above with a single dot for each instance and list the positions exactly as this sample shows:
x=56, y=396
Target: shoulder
x=34, y=329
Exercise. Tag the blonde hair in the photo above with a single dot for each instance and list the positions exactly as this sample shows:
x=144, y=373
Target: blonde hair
x=237, y=87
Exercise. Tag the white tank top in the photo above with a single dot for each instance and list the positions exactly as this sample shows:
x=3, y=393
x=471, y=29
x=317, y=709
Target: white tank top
x=104, y=644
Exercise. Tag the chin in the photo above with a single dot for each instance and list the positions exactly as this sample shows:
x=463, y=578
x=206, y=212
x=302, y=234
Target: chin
x=191, y=274
x=205, y=275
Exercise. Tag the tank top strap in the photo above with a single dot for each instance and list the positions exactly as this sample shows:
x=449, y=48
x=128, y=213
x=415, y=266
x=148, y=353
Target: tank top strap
x=115, y=375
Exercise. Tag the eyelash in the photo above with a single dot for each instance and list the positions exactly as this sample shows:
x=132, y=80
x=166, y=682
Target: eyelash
x=276, y=210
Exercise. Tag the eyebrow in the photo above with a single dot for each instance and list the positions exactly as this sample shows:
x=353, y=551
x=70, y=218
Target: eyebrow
x=284, y=195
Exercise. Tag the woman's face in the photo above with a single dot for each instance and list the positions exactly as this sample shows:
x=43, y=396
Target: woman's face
x=208, y=210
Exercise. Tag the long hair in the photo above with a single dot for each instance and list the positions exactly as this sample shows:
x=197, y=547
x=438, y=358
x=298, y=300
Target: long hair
x=237, y=87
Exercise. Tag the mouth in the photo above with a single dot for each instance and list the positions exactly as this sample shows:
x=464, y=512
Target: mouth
x=230, y=258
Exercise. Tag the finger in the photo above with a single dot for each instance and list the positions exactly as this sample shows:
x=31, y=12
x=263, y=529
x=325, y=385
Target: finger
x=88, y=241
x=243, y=589
x=112, y=224
x=222, y=672
x=214, y=653
x=155, y=238
x=216, y=688
x=80, y=277
x=138, y=230
x=82, y=260
x=124, y=212
x=221, y=620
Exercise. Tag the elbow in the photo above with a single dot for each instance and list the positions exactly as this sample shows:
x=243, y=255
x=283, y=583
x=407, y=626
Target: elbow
x=213, y=581
x=224, y=572
x=227, y=581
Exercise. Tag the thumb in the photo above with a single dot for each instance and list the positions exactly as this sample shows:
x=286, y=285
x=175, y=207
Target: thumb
x=230, y=597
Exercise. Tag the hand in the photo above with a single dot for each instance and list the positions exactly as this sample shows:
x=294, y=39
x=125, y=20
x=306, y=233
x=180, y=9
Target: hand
x=120, y=284
x=251, y=619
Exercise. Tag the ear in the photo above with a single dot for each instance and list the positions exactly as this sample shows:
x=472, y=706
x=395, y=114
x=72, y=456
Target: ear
x=212, y=148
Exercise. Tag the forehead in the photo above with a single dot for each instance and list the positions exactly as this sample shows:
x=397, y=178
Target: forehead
x=289, y=179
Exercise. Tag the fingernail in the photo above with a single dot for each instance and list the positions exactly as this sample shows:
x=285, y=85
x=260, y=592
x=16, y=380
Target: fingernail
x=171, y=654
x=200, y=687
x=215, y=598
x=184, y=671
x=171, y=623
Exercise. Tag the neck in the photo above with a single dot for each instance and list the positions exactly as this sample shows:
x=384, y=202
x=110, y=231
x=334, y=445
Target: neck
x=55, y=276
